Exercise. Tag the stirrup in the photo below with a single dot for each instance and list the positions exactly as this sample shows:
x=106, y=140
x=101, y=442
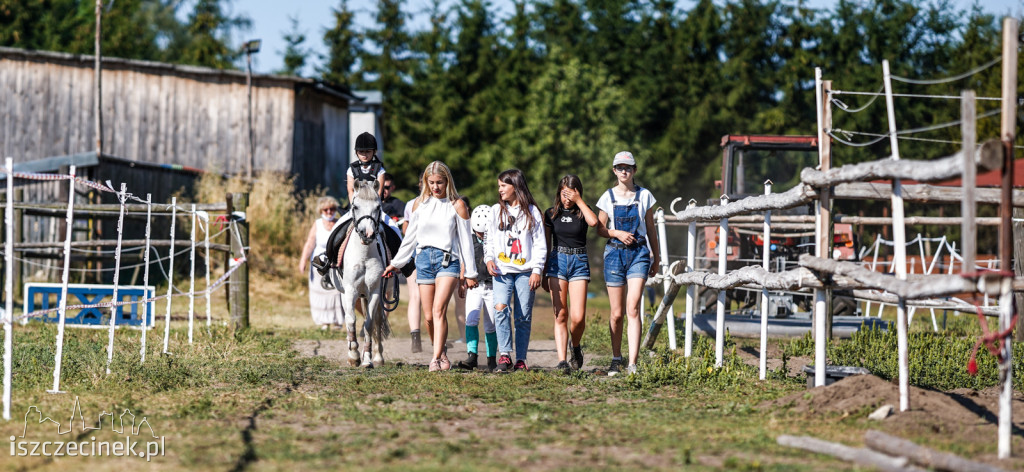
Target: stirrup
x=325, y=283
x=321, y=263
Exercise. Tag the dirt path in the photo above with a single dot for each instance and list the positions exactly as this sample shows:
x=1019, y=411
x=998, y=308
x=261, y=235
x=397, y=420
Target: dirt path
x=541, y=355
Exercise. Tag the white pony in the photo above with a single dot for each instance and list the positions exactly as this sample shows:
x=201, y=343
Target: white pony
x=363, y=263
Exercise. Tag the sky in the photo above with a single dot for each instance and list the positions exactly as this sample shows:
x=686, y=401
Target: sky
x=270, y=21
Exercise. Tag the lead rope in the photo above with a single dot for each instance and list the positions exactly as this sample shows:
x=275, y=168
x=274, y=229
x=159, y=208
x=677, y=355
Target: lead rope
x=993, y=340
x=390, y=304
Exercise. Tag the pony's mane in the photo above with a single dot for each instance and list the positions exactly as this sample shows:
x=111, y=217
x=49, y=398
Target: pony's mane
x=365, y=191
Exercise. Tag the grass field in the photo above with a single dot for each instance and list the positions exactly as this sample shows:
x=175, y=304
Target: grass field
x=252, y=403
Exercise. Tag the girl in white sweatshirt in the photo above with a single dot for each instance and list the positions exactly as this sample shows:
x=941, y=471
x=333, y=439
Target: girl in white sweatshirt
x=438, y=236
x=515, y=251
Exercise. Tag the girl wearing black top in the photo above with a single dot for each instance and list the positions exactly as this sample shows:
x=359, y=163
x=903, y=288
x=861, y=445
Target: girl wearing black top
x=568, y=270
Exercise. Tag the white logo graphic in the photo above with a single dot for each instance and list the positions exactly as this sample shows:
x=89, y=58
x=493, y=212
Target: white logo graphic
x=126, y=424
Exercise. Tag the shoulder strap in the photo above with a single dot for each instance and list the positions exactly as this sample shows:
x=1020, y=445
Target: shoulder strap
x=611, y=195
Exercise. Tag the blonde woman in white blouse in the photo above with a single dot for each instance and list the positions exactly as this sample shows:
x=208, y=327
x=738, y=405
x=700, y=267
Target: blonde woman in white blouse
x=439, y=238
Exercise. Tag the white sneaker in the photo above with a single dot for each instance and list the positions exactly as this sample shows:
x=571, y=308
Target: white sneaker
x=631, y=369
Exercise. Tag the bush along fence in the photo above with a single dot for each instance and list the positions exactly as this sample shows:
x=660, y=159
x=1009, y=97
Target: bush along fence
x=232, y=224
x=822, y=273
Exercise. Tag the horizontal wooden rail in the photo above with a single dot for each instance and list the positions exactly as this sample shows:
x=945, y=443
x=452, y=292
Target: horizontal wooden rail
x=988, y=157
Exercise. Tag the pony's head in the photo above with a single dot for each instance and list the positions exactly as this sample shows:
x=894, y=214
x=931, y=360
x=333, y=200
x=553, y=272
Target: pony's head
x=366, y=210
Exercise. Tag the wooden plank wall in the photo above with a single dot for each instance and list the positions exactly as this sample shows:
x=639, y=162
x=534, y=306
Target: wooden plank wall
x=336, y=151
x=171, y=117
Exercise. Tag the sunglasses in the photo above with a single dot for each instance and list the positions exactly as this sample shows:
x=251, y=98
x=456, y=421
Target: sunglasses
x=624, y=168
x=328, y=210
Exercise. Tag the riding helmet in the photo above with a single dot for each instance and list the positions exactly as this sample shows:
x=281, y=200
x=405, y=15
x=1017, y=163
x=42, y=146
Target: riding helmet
x=366, y=142
x=481, y=218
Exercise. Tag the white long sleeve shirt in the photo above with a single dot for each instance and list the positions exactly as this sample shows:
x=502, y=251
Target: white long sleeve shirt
x=435, y=223
x=513, y=248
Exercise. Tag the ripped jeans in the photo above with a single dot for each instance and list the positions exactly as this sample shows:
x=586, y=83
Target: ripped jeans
x=505, y=286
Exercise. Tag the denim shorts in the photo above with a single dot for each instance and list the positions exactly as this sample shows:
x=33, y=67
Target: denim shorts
x=428, y=266
x=625, y=263
x=568, y=266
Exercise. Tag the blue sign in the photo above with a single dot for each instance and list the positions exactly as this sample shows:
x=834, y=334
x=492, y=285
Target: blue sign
x=43, y=296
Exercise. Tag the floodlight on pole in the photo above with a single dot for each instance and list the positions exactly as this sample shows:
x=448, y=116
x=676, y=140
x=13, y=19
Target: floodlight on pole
x=250, y=47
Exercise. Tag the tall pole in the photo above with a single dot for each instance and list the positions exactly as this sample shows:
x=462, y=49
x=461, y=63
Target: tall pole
x=8, y=285
x=1007, y=132
x=899, y=236
x=99, y=82
x=252, y=137
x=968, y=209
x=821, y=245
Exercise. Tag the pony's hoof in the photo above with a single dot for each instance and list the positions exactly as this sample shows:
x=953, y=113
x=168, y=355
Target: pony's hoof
x=367, y=362
x=378, y=360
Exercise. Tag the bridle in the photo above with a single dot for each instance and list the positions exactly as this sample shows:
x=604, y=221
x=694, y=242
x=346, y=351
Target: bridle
x=375, y=221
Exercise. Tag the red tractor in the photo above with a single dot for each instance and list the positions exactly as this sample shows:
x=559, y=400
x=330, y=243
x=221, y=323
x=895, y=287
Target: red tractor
x=748, y=162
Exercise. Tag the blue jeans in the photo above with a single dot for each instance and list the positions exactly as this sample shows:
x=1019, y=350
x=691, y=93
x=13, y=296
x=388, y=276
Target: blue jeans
x=569, y=267
x=505, y=286
x=429, y=266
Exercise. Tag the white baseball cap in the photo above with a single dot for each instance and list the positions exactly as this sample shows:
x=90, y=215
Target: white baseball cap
x=624, y=157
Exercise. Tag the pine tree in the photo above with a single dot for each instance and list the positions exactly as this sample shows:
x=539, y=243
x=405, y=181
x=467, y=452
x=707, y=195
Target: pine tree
x=209, y=30
x=343, y=47
x=294, y=54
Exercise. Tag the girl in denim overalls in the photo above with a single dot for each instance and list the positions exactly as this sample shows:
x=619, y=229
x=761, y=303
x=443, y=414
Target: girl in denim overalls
x=631, y=255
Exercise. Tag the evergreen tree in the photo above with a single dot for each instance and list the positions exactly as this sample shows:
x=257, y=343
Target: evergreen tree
x=343, y=47
x=294, y=53
x=209, y=36
x=386, y=66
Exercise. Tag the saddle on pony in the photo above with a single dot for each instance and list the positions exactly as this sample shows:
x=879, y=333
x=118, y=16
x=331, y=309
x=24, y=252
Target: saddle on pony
x=392, y=240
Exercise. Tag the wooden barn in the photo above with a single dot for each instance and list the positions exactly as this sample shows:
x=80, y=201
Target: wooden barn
x=171, y=114
x=163, y=126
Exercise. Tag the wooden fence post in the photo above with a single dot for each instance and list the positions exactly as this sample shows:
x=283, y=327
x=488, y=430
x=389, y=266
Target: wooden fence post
x=239, y=280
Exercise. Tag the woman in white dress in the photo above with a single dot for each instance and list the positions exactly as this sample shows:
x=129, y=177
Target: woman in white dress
x=324, y=305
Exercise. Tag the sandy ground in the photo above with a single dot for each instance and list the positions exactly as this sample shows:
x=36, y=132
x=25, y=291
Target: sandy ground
x=541, y=355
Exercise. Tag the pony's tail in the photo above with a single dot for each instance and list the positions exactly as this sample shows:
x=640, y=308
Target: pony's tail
x=383, y=326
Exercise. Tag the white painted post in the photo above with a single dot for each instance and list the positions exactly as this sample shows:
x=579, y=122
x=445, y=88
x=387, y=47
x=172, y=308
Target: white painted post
x=121, y=196
x=170, y=276
x=192, y=277
x=8, y=285
x=659, y=218
x=766, y=247
x=209, y=293
x=145, y=278
x=899, y=246
x=691, y=291
x=1008, y=133
x=723, y=250
x=69, y=219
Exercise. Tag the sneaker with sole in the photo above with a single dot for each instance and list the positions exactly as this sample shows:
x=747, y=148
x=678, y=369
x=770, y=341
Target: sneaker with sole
x=631, y=369
x=521, y=365
x=470, y=363
x=504, y=364
x=492, y=363
x=435, y=365
x=563, y=367
x=615, y=368
x=444, y=362
x=577, y=358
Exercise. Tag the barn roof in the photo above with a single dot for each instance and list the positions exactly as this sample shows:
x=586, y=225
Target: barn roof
x=163, y=68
